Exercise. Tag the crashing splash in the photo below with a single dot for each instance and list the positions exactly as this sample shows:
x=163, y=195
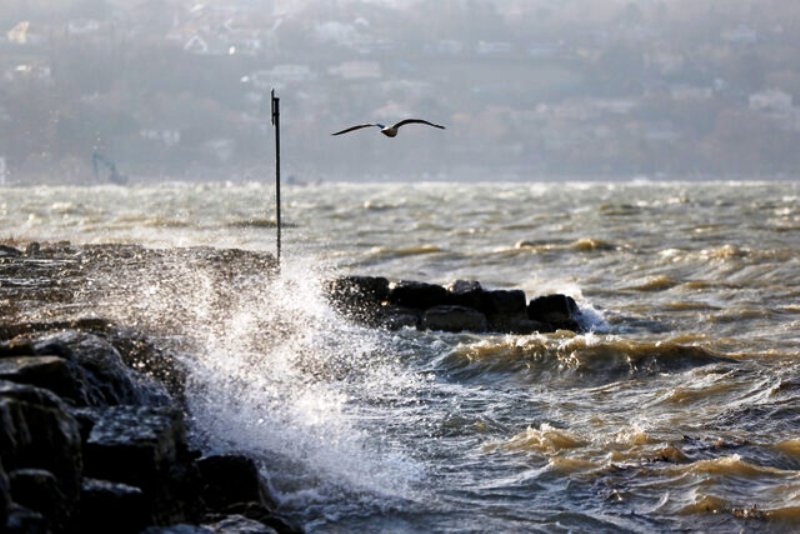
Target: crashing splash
x=273, y=371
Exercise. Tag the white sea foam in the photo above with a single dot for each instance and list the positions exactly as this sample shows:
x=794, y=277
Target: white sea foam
x=279, y=375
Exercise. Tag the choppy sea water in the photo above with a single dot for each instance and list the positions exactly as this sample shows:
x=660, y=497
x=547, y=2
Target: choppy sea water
x=678, y=410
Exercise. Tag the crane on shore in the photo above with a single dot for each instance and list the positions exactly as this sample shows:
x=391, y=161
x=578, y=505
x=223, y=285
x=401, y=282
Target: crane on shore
x=114, y=175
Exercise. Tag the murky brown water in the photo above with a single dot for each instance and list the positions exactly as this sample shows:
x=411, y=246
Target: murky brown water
x=679, y=410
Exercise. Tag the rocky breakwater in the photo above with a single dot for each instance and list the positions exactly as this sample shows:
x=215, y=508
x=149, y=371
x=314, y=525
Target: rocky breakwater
x=93, y=431
x=460, y=306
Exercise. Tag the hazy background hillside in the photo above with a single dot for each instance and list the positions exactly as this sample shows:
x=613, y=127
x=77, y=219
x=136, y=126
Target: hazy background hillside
x=528, y=89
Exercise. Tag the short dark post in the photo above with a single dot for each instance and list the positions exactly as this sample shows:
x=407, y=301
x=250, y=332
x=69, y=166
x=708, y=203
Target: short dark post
x=276, y=122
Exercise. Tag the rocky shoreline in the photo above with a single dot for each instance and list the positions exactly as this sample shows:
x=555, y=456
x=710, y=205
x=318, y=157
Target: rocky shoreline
x=94, y=433
x=89, y=443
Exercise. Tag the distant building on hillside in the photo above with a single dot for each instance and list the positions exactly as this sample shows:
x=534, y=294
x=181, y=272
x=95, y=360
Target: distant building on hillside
x=691, y=93
x=778, y=106
x=82, y=26
x=494, y=48
x=22, y=34
x=770, y=100
x=357, y=70
x=740, y=35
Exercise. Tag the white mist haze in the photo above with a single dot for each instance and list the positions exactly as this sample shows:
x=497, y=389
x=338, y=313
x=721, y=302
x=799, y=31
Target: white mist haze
x=530, y=89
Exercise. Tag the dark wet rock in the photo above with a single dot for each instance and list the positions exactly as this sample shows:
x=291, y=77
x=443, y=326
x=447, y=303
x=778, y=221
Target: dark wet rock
x=48, y=372
x=225, y=524
x=450, y=318
x=359, y=296
x=465, y=293
x=145, y=447
x=505, y=309
x=26, y=331
x=359, y=290
x=419, y=305
x=134, y=444
x=232, y=486
x=38, y=432
x=266, y=516
x=86, y=417
x=5, y=495
x=560, y=311
x=37, y=490
x=230, y=479
x=159, y=372
x=9, y=349
x=181, y=528
x=160, y=367
x=237, y=524
x=396, y=317
x=282, y=524
x=506, y=302
x=107, y=380
x=420, y=295
x=23, y=520
x=112, y=507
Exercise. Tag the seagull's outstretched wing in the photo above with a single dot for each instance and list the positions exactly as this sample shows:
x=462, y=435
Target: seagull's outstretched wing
x=416, y=121
x=354, y=128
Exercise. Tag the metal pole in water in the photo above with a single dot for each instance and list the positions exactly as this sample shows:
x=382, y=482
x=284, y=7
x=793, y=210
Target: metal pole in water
x=276, y=122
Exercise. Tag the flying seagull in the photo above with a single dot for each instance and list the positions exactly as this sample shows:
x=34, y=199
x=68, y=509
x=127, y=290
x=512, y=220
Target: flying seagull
x=389, y=131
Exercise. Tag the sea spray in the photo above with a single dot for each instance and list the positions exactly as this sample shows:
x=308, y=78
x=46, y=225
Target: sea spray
x=274, y=372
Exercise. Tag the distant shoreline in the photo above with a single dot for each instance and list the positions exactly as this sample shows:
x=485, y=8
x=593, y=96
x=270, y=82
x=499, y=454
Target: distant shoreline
x=449, y=178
